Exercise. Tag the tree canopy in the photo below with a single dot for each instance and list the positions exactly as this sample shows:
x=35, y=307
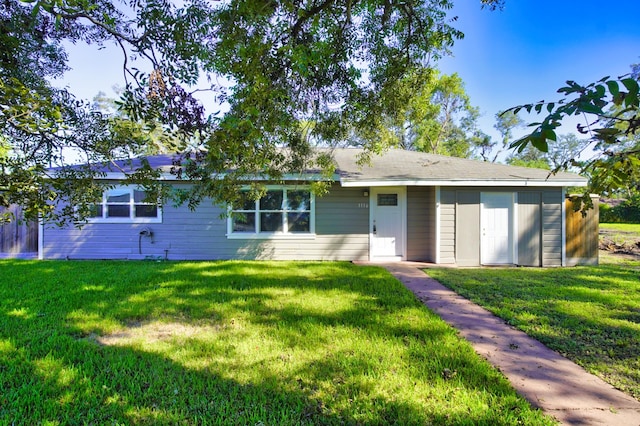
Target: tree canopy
x=331, y=63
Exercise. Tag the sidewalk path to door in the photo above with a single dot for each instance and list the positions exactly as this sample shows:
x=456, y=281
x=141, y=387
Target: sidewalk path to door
x=546, y=379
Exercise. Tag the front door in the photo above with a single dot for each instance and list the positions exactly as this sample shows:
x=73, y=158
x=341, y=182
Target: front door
x=387, y=227
x=497, y=224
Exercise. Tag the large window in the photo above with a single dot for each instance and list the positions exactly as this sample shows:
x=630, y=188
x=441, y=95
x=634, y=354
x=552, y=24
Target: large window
x=281, y=212
x=126, y=204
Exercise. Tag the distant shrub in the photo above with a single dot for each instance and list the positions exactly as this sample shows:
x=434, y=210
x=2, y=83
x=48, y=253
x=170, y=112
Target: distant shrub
x=607, y=215
x=626, y=212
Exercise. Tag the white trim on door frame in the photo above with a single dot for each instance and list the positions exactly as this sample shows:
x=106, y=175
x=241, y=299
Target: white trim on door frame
x=402, y=203
x=511, y=227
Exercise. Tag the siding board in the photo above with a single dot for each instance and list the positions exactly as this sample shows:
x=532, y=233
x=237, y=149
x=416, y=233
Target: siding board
x=468, y=228
x=420, y=214
x=529, y=228
x=447, y=226
x=552, y=227
x=342, y=224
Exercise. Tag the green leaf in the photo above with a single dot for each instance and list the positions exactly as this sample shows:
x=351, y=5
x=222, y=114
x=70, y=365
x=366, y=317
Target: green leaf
x=632, y=85
x=589, y=108
x=540, y=144
x=631, y=100
x=614, y=89
x=550, y=106
x=549, y=134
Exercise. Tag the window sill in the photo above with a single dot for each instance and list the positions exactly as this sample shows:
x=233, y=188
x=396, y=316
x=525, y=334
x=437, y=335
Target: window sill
x=126, y=220
x=266, y=236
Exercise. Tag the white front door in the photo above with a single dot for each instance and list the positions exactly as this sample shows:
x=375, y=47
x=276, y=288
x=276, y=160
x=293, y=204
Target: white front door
x=387, y=227
x=497, y=224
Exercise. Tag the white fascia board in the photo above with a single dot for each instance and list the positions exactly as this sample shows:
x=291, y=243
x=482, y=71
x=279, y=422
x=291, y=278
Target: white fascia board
x=171, y=177
x=467, y=183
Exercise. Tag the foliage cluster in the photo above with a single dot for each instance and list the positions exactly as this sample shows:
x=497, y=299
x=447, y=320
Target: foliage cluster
x=291, y=74
x=235, y=343
x=627, y=211
x=331, y=65
x=611, y=110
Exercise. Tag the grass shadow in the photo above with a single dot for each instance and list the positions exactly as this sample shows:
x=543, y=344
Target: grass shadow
x=234, y=343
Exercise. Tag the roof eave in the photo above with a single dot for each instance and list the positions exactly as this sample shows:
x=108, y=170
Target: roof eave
x=173, y=177
x=465, y=183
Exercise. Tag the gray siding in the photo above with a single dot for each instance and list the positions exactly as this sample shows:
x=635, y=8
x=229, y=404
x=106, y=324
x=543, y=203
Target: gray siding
x=468, y=228
x=431, y=225
x=421, y=223
x=342, y=218
x=539, y=227
x=447, y=226
x=529, y=229
x=552, y=227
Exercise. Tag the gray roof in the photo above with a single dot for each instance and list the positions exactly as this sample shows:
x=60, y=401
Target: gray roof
x=401, y=167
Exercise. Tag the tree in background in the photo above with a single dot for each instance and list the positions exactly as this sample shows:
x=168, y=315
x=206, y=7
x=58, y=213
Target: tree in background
x=566, y=150
x=430, y=112
x=506, y=123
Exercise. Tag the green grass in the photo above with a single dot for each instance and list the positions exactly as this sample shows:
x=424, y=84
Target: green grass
x=589, y=314
x=261, y=343
x=632, y=228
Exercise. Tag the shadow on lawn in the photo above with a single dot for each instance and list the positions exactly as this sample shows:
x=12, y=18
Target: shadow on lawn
x=52, y=369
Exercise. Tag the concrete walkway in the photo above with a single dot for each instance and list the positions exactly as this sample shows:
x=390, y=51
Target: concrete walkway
x=549, y=381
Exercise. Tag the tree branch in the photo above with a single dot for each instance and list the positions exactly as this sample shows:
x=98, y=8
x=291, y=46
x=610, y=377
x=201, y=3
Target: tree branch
x=295, y=30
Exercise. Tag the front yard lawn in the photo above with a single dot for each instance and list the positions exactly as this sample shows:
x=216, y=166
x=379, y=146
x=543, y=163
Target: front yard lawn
x=250, y=343
x=591, y=315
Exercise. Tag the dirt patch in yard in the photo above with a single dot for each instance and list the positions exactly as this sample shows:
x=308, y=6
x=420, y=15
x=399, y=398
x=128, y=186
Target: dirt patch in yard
x=620, y=243
x=153, y=332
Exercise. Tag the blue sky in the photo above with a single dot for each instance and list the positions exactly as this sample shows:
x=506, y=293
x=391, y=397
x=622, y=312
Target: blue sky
x=519, y=55
x=527, y=51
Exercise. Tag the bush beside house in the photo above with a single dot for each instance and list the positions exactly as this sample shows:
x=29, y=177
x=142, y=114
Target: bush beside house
x=627, y=211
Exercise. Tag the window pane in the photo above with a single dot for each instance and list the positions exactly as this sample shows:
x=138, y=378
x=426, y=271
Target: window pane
x=245, y=205
x=299, y=222
x=387, y=199
x=244, y=222
x=117, y=210
x=140, y=197
x=146, y=210
x=95, y=210
x=271, y=222
x=271, y=201
x=118, y=196
x=299, y=200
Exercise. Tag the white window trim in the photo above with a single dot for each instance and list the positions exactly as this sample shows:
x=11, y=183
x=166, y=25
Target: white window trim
x=277, y=235
x=132, y=218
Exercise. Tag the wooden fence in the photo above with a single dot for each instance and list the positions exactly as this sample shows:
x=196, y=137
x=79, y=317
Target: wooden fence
x=582, y=235
x=18, y=239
